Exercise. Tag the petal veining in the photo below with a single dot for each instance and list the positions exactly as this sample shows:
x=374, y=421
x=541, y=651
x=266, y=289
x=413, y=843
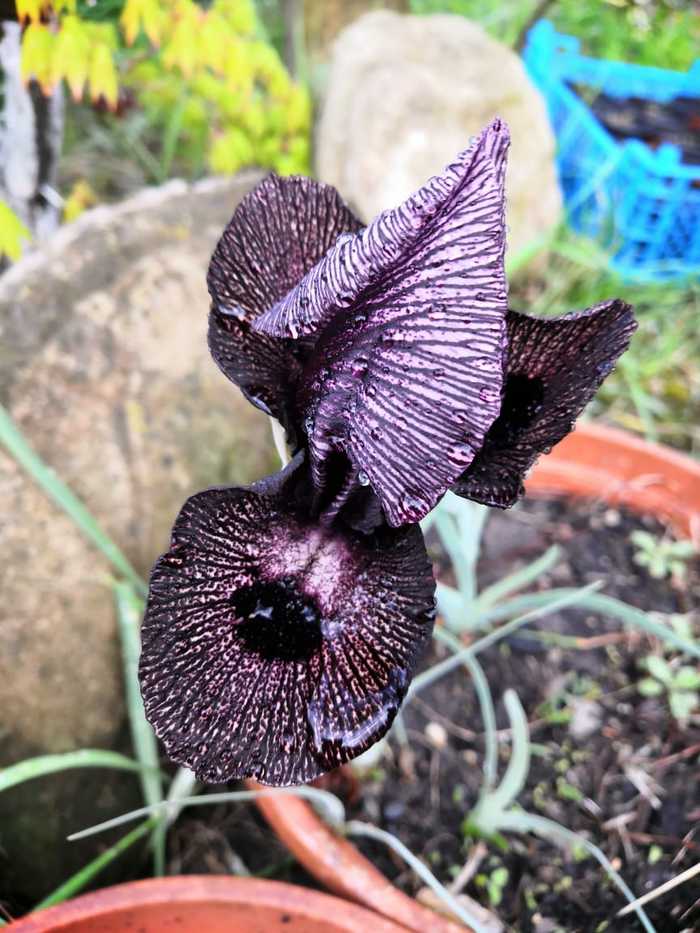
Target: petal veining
x=554, y=368
x=274, y=648
x=277, y=233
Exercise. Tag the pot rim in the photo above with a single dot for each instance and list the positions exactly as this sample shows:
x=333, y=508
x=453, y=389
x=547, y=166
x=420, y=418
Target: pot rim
x=304, y=903
x=594, y=461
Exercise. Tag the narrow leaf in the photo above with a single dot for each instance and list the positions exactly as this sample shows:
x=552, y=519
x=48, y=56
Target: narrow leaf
x=333, y=809
x=80, y=879
x=517, y=580
x=15, y=442
x=50, y=764
x=129, y=613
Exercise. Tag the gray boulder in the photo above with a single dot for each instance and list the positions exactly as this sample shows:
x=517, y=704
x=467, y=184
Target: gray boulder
x=405, y=94
x=105, y=368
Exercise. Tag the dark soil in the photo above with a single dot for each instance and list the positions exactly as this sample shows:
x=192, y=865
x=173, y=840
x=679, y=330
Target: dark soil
x=231, y=839
x=676, y=122
x=610, y=764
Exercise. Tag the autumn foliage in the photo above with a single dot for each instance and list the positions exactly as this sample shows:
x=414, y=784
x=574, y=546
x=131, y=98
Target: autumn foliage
x=207, y=78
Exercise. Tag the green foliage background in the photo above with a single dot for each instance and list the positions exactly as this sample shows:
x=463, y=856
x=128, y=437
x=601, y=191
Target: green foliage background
x=665, y=33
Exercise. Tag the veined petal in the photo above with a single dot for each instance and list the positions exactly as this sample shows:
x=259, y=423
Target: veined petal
x=555, y=366
x=274, y=648
x=407, y=370
x=453, y=225
x=277, y=233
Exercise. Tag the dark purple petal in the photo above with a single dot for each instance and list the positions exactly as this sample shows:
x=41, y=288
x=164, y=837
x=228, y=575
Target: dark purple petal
x=555, y=366
x=278, y=232
x=274, y=648
x=407, y=373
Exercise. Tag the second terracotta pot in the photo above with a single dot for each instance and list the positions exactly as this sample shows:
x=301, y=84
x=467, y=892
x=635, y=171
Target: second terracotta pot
x=205, y=904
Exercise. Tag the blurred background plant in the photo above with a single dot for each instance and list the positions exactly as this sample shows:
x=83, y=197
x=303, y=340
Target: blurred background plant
x=665, y=33
x=158, y=88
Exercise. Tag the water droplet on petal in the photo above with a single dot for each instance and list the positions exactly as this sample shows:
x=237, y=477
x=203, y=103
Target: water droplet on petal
x=362, y=478
x=414, y=506
x=236, y=312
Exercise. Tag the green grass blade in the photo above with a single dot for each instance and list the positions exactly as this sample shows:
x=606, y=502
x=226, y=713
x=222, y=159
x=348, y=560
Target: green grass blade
x=129, y=613
x=637, y=618
x=595, y=602
x=80, y=879
x=357, y=828
x=487, y=813
x=50, y=764
x=16, y=444
x=523, y=822
x=488, y=713
x=182, y=786
x=518, y=580
x=171, y=137
x=544, y=608
x=451, y=607
x=332, y=808
x=448, y=531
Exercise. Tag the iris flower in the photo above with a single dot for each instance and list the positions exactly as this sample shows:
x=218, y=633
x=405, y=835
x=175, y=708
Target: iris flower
x=285, y=622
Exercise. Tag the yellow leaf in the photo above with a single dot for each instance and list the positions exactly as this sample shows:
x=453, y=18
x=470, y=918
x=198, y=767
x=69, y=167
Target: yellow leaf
x=142, y=14
x=80, y=198
x=182, y=50
x=153, y=19
x=240, y=15
x=12, y=233
x=217, y=43
x=231, y=151
x=298, y=109
x=130, y=20
x=102, y=34
x=28, y=10
x=252, y=119
x=37, y=55
x=71, y=55
x=239, y=75
x=103, y=76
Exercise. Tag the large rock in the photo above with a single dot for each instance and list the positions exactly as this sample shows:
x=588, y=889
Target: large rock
x=104, y=366
x=405, y=94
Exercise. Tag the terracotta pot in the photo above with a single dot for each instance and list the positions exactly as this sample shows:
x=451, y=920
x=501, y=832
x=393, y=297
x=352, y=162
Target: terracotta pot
x=605, y=463
x=592, y=462
x=205, y=904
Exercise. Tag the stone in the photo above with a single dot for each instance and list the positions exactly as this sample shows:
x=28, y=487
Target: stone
x=105, y=368
x=405, y=94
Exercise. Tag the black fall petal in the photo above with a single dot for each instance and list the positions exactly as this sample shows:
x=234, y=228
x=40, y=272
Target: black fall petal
x=277, y=233
x=554, y=368
x=274, y=648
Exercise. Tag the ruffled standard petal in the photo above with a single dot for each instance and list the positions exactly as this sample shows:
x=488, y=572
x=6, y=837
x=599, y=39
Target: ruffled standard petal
x=278, y=232
x=555, y=366
x=407, y=372
x=274, y=648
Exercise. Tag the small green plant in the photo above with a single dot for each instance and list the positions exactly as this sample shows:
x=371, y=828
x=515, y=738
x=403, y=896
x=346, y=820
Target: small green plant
x=494, y=884
x=680, y=683
x=661, y=556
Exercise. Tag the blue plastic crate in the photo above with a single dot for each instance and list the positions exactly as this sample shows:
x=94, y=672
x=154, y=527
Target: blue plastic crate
x=643, y=204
